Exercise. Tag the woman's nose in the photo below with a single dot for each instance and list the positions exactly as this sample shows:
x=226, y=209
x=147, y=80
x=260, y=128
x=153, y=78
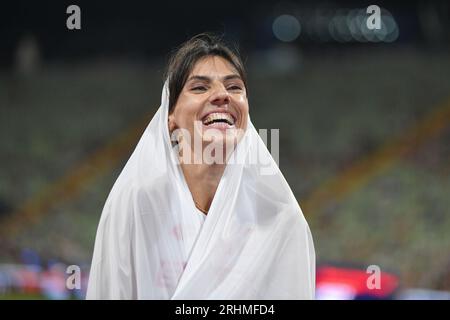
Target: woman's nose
x=220, y=96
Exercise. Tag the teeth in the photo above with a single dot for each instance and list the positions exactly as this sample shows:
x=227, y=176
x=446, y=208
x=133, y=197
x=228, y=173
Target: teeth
x=218, y=116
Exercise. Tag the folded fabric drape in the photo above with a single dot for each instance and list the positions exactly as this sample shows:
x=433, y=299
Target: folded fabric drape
x=153, y=243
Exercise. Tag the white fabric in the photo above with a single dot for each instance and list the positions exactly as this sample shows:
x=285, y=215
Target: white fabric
x=153, y=243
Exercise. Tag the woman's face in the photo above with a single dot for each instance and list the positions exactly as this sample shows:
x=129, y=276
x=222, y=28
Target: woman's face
x=214, y=97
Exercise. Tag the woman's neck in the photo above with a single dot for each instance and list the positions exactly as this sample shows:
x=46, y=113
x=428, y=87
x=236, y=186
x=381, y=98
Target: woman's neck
x=203, y=180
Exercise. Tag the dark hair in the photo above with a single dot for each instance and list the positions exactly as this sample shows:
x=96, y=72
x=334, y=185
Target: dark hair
x=186, y=56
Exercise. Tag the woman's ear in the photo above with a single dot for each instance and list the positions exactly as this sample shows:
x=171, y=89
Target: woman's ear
x=171, y=122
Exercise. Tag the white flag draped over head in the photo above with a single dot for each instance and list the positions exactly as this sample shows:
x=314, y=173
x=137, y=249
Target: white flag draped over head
x=153, y=243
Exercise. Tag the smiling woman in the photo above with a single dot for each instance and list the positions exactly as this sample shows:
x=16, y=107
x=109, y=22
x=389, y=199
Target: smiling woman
x=212, y=101
x=197, y=229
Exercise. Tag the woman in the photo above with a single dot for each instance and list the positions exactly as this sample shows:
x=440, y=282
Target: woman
x=190, y=217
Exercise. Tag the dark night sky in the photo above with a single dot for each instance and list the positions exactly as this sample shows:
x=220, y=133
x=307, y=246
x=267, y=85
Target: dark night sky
x=149, y=28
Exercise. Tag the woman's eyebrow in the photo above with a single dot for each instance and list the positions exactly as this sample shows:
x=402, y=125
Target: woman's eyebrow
x=201, y=78
x=232, y=77
x=208, y=79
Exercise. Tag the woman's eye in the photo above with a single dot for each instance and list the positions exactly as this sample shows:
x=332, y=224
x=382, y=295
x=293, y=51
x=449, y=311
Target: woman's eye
x=199, y=88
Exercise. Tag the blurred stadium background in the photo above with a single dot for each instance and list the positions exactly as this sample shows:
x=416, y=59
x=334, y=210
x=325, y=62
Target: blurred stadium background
x=364, y=119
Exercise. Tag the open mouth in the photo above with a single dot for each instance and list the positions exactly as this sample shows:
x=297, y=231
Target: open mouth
x=219, y=118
